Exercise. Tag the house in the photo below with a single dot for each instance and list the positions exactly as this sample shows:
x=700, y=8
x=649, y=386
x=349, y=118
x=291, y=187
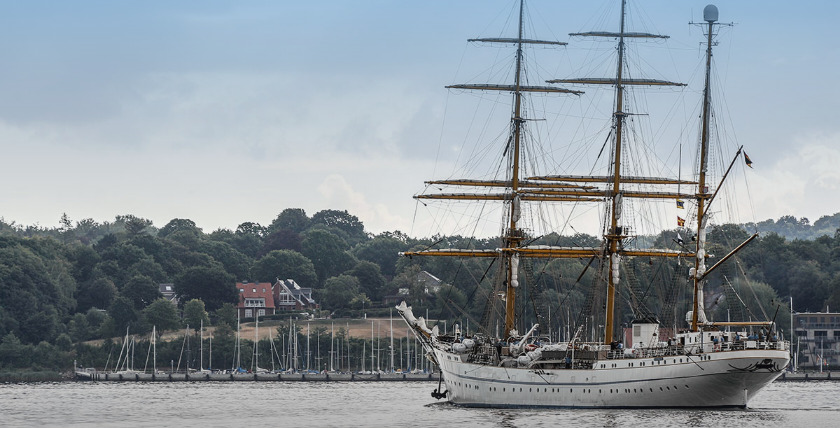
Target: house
x=255, y=299
x=818, y=334
x=289, y=296
x=430, y=283
x=168, y=293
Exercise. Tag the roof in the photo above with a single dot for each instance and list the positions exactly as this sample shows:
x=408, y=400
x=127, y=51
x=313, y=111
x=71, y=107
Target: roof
x=254, y=290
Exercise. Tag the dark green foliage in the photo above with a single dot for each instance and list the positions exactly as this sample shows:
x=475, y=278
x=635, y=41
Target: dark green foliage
x=285, y=264
x=211, y=284
x=161, y=314
x=328, y=253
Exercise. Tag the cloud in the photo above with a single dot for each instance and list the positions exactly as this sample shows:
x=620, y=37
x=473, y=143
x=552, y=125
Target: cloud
x=803, y=183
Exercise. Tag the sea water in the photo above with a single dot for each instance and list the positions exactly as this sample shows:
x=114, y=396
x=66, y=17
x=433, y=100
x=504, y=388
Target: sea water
x=367, y=404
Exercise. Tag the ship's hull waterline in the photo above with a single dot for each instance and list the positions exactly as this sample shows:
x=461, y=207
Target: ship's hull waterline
x=722, y=379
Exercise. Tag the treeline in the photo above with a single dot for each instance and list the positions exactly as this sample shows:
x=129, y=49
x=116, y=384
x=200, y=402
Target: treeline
x=85, y=280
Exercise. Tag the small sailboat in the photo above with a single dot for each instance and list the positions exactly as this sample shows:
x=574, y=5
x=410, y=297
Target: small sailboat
x=702, y=363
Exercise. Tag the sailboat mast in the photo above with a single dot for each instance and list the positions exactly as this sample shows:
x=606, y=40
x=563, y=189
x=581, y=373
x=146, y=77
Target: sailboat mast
x=513, y=237
x=710, y=15
x=615, y=232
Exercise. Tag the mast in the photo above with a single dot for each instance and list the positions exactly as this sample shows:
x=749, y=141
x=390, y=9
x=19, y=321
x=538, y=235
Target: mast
x=615, y=233
x=710, y=15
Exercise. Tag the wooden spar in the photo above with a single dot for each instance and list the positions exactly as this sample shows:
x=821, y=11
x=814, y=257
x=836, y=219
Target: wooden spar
x=512, y=239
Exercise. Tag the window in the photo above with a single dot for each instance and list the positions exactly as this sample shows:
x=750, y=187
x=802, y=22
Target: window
x=261, y=312
x=820, y=333
x=249, y=313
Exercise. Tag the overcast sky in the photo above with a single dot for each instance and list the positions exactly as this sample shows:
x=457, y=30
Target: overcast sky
x=225, y=112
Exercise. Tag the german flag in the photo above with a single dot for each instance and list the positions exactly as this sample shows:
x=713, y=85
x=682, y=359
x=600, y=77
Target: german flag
x=747, y=160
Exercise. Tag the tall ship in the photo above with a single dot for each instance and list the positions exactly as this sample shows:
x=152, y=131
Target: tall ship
x=658, y=358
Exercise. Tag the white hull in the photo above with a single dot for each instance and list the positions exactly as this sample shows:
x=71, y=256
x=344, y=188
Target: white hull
x=719, y=379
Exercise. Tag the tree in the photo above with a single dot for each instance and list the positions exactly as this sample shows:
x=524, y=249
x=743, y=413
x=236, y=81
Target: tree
x=161, y=314
x=179, y=225
x=339, y=292
x=293, y=219
x=226, y=315
x=283, y=239
x=383, y=250
x=195, y=315
x=98, y=294
x=371, y=281
x=123, y=313
x=211, y=284
x=328, y=253
x=141, y=290
x=285, y=264
x=343, y=221
x=133, y=225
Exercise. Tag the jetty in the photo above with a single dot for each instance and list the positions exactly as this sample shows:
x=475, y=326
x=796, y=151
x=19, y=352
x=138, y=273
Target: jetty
x=93, y=375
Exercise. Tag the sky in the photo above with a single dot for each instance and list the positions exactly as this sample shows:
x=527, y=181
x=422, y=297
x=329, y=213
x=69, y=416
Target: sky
x=226, y=112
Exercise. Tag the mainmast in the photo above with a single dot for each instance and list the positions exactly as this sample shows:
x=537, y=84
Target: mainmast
x=513, y=237
x=616, y=232
x=698, y=315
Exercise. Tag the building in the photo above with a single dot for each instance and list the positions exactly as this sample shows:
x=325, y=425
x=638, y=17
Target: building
x=817, y=339
x=255, y=299
x=289, y=296
x=168, y=293
x=430, y=284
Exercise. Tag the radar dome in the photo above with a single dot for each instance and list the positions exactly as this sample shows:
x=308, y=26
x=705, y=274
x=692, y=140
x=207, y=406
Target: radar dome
x=710, y=13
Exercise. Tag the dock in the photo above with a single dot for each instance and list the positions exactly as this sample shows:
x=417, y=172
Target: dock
x=806, y=376
x=260, y=377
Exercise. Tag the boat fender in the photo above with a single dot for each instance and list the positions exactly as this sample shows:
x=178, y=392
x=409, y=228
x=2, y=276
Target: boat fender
x=469, y=343
x=459, y=348
x=523, y=360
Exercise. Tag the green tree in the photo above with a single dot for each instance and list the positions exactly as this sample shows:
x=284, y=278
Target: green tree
x=351, y=227
x=226, y=315
x=294, y=219
x=180, y=225
x=161, y=313
x=141, y=290
x=98, y=294
x=134, y=225
x=195, y=315
x=371, y=281
x=213, y=285
x=328, y=254
x=285, y=264
x=339, y=292
x=383, y=250
x=123, y=313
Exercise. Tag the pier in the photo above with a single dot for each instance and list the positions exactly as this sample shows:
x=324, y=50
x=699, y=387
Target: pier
x=261, y=377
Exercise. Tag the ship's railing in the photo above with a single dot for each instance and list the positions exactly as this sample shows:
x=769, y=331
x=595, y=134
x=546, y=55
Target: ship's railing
x=670, y=350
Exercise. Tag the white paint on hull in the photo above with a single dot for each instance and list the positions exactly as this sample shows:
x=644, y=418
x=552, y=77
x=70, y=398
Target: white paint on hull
x=721, y=379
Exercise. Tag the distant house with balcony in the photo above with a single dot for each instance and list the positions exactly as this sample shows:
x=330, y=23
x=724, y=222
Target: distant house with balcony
x=168, y=293
x=430, y=283
x=289, y=296
x=255, y=299
x=818, y=337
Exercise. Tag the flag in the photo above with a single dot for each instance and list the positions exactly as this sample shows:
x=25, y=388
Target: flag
x=747, y=160
x=679, y=239
x=680, y=204
x=680, y=221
